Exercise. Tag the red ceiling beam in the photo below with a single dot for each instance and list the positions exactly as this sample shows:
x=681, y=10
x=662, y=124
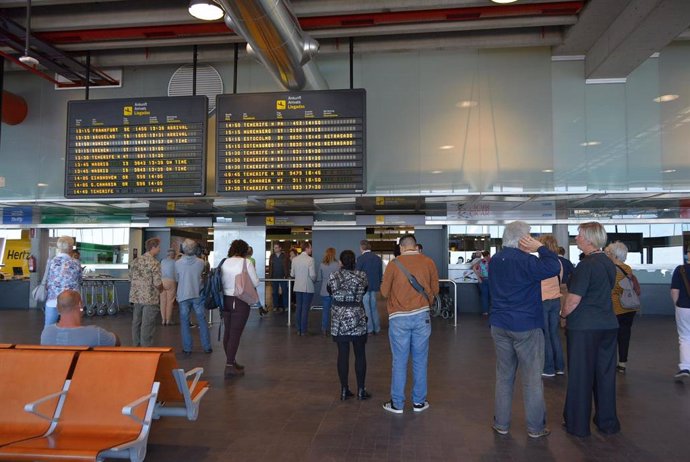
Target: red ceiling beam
x=321, y=22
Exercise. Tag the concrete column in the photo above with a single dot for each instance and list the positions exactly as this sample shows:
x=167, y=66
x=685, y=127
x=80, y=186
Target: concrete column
x=560, y=232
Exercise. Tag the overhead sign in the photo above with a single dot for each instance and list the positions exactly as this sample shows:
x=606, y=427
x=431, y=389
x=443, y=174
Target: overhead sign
x=309, y=142
x=136, y=147
x=17, y=215
x=502, y=210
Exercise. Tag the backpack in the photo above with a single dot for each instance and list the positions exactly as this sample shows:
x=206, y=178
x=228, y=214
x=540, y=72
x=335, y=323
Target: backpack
x=212, y=291
x=629, y=298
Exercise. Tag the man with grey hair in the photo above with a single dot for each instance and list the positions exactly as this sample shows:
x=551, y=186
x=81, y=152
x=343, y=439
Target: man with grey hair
x=372, y=265
x=144, y=293
x=517, y=323
x=188, y=271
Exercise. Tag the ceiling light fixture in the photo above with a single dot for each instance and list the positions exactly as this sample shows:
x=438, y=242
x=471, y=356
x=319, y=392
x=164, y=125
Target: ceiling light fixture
x=206, y=10
x=547, y=170
x=466, y=104
x=590, y=143
x=670, y=170
x=504, y=1
x=26, y=59
x=665, y=98
x=446, y=147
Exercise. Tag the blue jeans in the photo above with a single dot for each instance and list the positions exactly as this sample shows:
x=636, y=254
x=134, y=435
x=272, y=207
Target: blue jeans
x=197, y=304
x=409, y=334
x=524, y=349
x=373, y=321
x=280, y=300
x=553, y=354
x=485, y=295
x=302, y=315
x=326, y=313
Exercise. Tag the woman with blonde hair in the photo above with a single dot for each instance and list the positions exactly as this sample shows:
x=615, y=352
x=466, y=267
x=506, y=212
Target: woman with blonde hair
x=618, y=252
x=551, y=301
x=592, y=332
x=329, y=265
x=64, y=272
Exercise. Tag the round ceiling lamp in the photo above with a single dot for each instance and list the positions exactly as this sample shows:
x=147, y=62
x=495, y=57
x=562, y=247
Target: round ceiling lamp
x=206, y=10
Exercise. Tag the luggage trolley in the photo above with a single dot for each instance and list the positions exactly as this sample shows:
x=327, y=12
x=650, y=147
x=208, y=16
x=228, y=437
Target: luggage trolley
x=90, y=302
x=100, y=296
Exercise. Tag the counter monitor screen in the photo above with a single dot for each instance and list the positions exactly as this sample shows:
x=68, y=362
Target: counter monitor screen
x=308, y=142
x=136, y=147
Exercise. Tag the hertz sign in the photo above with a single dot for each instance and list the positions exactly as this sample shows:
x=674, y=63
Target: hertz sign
x=310, y=142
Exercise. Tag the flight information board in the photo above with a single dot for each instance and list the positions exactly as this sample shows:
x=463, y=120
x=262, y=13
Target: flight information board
x=136, y=147
x=308, y=142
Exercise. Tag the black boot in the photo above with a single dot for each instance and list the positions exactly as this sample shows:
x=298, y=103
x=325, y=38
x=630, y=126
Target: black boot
x=345, y=393
x=362, y=394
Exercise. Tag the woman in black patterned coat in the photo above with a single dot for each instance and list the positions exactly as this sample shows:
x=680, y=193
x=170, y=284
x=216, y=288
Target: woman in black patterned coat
x=348, y=322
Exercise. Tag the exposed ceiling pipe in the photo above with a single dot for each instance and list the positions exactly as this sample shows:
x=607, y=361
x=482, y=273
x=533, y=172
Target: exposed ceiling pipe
x=275, y=38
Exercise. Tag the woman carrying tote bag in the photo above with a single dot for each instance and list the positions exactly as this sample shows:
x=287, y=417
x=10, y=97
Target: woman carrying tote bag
x=235, y=269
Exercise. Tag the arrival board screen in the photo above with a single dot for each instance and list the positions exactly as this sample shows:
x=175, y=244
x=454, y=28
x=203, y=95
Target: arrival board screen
x=308, y=142
x=136, y=147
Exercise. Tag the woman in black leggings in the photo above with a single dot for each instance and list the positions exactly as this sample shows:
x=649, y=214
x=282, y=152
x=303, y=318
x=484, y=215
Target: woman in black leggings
x=349, y=323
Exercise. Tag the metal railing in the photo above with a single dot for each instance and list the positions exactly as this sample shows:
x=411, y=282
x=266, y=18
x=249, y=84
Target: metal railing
x=289, y=295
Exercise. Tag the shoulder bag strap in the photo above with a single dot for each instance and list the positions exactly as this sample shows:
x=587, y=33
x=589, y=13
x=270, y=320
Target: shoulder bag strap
x=408, y=275
x=685, y=278
x=45, y=273
x=623, y=271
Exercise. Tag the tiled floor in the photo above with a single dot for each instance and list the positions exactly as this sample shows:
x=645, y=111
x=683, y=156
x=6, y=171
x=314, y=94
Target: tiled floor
x=287, y=405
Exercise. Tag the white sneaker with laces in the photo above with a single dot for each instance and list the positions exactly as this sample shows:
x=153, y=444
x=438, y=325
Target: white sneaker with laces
x=421, y=407
x=388, y=406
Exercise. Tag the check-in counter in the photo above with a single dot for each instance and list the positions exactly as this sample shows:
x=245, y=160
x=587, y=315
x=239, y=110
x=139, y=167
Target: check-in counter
x=14, y=294
x=655, y=282
x=468, y=290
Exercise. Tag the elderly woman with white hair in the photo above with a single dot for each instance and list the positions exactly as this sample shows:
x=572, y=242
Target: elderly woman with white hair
x=618, y=252
x=592, y=337
x=64, y=272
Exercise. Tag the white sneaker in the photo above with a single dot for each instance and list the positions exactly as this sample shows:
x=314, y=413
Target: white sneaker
x=544, y=374
x=388, y=406
x=421, y=407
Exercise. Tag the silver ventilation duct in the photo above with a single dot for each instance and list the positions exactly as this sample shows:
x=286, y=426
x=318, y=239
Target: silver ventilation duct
x=275, y=38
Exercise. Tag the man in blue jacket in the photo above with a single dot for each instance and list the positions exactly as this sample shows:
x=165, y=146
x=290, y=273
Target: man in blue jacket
x=517, y=323
x=372, y=265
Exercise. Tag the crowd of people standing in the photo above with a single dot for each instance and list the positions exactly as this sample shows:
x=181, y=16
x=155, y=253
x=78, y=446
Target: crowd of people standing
x=532, y=292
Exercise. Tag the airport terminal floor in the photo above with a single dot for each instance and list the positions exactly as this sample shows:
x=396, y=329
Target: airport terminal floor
x=287, y=406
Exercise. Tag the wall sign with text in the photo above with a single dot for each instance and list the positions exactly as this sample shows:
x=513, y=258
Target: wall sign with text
x=307, y=142
x=136, y=147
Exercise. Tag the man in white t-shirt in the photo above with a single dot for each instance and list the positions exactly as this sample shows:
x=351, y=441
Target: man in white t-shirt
x=68, y=331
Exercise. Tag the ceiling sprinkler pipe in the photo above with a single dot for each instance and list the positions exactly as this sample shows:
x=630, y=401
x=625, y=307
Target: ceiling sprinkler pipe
x=276, y=39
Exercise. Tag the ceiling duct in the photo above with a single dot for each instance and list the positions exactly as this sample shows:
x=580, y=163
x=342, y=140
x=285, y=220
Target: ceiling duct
x=276, y=39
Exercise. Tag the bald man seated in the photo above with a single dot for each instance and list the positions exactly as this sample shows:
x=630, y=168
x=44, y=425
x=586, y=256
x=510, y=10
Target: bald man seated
x=68, y=331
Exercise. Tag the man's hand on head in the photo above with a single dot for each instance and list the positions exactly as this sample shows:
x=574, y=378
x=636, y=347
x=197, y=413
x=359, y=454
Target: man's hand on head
x=529, y=244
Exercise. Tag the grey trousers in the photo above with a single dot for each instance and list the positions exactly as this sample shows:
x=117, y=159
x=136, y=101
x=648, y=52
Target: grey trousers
x=144, y=321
